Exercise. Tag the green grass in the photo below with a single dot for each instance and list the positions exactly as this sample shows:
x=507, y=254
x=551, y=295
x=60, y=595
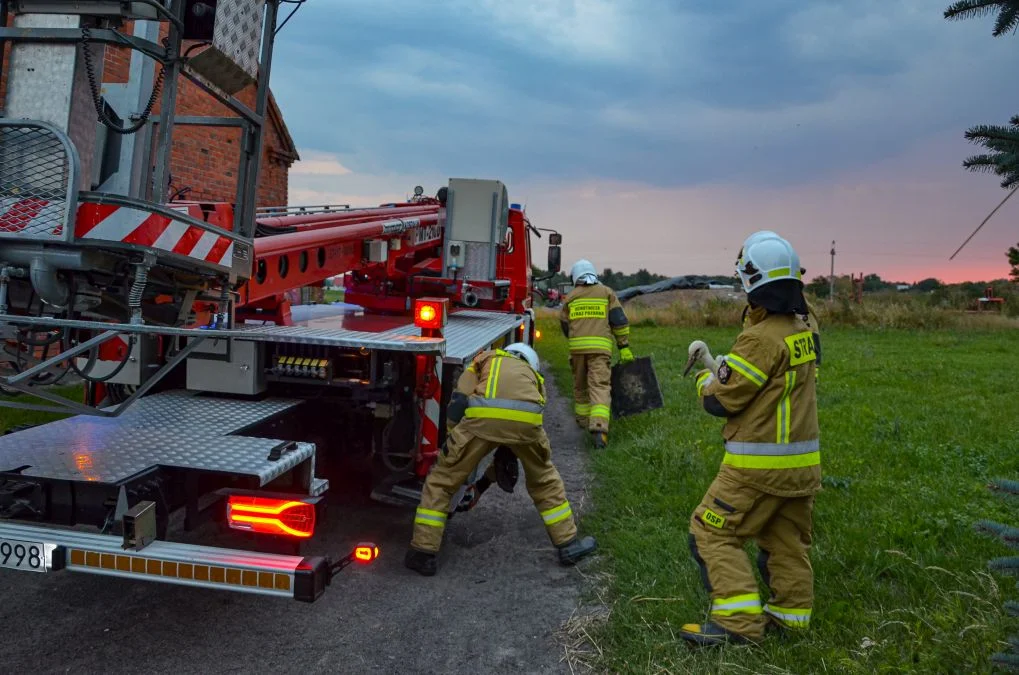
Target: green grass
x=334, y=295
x=12, y=417
x=913, y=425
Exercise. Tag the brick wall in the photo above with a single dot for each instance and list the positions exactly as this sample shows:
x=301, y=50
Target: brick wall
x=205, y=158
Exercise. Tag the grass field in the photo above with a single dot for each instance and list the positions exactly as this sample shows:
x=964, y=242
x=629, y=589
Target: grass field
x=914, y=424
x=11, y=417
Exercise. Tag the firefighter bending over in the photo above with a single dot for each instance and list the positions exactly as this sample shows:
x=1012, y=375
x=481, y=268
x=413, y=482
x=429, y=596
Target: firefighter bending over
x=764, y=490
x=499, y=401
x=592, y=319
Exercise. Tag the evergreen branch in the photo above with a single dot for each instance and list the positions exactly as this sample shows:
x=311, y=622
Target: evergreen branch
x=1006, y=485
x=1009, y=661
x=1007, y=20
x=985, y=132
x=967, y=9
x=1009, y=565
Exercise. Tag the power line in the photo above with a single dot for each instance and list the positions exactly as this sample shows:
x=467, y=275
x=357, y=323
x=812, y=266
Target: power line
x=1002, y=203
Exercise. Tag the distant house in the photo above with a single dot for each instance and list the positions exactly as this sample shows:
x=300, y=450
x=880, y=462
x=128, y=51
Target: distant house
x=903, y=287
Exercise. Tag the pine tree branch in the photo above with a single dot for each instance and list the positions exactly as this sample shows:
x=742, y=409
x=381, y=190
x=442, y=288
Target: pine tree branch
x=1007, y=20
x=1006, y=486
x=1009, y=565
x=984, y=132
x=981, y=164
x=967, y=9
x=1009, y=661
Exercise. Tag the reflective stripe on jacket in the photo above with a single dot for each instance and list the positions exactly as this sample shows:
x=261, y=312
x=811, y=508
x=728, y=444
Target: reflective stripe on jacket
x=505, y=397
x=767, y=388
x=593, y=320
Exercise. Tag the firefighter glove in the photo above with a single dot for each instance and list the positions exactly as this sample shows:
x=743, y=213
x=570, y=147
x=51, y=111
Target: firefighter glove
x=456, y=408
x=625, y=355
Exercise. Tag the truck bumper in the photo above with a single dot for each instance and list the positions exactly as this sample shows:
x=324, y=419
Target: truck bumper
x=283, y=576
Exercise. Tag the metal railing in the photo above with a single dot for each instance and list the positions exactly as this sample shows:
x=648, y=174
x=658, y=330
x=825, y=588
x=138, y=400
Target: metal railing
x=39, y=169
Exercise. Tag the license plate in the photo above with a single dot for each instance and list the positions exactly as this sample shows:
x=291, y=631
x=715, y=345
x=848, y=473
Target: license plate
x=27, y=556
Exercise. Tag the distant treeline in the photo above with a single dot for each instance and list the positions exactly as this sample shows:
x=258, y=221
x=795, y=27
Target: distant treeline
x=620, y=280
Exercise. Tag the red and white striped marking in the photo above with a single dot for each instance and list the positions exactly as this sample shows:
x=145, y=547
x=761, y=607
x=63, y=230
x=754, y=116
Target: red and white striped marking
x=40, y=218
x=433, y=407
x=128, y=225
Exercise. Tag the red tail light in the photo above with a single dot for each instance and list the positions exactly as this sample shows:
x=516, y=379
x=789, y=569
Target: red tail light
x=430, y=313
x=264, y=515
x=366, y=553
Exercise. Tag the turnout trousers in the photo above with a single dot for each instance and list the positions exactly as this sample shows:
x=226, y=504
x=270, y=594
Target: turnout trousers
x=592, y=390
x=730, y=514
x=465, y=452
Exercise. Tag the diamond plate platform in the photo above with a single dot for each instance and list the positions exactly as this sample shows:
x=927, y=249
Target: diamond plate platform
x=470, y=332
x=172, y=429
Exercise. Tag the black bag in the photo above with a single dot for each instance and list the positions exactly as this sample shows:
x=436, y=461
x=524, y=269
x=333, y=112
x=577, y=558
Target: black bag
x=635, y=388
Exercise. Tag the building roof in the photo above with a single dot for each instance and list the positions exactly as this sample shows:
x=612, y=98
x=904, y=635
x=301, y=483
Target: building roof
x=275, y=118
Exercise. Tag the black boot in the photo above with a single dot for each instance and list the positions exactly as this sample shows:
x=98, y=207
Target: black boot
x=600, y=439
x=572, y=551
x=421, y=562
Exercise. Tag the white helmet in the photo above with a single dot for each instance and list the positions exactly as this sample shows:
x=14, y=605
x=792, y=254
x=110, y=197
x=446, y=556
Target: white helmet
x=583, y=272
x=525, y=352
x=766, y=257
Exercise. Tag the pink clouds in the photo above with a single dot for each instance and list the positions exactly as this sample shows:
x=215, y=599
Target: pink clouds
x=901, y=218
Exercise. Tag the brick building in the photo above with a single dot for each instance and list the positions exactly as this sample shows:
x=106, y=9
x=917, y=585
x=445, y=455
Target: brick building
x=205, y=158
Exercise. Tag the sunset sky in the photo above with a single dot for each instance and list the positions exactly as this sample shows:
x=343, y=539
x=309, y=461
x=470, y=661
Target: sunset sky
x=659, y=133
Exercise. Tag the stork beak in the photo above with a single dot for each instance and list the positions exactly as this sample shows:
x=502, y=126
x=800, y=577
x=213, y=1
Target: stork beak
x=689, y=364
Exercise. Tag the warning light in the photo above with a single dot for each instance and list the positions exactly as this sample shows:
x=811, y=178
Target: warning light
x=365, y=553
x=537, y=335
x=264, y=515
x=430, y=313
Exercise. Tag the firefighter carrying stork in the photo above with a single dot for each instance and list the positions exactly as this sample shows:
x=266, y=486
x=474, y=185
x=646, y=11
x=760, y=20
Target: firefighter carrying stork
x=765, y=389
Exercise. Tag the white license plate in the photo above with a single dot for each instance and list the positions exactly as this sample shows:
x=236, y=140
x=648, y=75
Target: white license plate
x=27, y=556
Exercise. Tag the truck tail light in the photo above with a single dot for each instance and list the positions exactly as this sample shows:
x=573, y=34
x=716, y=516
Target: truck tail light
x=430, y=313
x=265, y=515
x=366, y=552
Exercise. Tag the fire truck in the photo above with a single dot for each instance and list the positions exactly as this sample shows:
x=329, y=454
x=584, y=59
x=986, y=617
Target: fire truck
x=207, y=394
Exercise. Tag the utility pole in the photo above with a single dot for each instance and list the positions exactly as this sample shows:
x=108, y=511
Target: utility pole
x=831, y=278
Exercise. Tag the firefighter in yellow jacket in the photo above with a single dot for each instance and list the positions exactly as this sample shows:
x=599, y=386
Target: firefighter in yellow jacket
x=592, y=320
x=499, y=401
x=764, y=490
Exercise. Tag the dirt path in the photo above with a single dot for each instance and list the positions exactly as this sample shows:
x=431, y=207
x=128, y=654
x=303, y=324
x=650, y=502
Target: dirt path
x=495, y=606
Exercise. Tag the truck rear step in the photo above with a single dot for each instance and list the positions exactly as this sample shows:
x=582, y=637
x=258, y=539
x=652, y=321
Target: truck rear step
x=46, y=549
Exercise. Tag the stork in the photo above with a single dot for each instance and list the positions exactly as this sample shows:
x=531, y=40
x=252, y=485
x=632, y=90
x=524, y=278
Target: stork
x=699, y=351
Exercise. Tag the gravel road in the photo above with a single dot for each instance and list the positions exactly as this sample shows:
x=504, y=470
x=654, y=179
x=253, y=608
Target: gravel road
x=494, y=607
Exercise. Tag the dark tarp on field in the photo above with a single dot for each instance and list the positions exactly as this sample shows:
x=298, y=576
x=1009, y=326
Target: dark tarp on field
x=675, y=283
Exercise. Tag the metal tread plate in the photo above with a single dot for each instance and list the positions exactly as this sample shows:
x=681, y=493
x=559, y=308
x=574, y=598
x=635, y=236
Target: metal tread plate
x=172, y=429
x=405, y=338
x=469, y=332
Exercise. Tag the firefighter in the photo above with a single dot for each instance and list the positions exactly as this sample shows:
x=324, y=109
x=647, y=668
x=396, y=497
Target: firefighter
x=765, y=487
x=592, y=319
x=499, y=400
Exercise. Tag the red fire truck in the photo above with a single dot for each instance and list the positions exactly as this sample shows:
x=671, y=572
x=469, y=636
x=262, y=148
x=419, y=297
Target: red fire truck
x=206, y=392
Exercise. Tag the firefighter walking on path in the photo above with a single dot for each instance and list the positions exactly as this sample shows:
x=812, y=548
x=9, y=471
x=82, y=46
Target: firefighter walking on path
x=499, y=401
x=764, y=490
x=592, y=320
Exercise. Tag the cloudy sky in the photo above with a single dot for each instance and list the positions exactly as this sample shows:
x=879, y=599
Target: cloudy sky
x=659, y=133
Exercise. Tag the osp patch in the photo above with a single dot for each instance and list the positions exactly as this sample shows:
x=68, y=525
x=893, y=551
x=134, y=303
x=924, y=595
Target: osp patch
x=724, y=372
